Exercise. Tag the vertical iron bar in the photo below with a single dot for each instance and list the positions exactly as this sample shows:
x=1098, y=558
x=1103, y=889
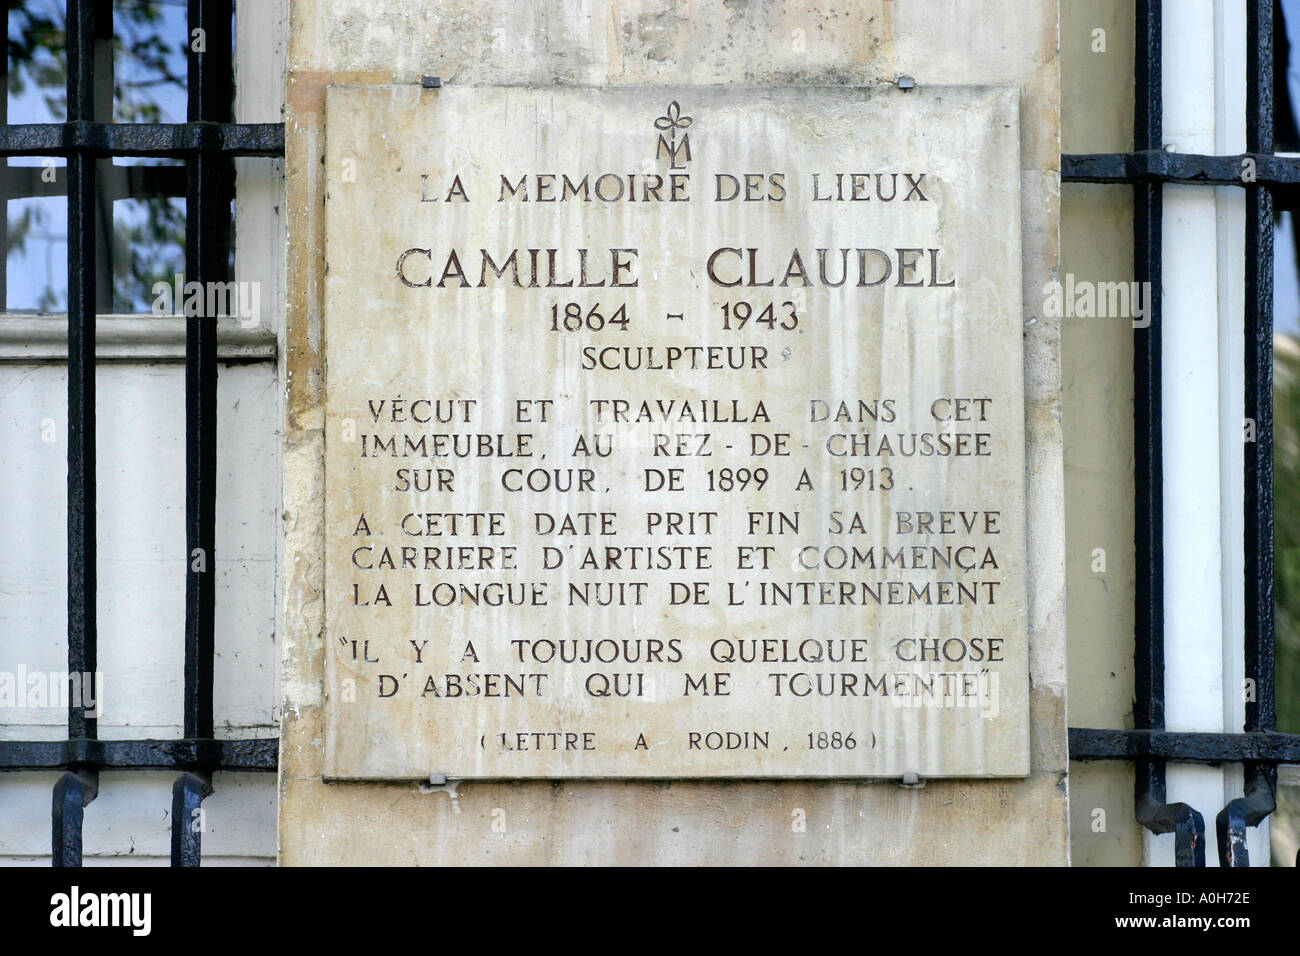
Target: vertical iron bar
x=82, y=578
x=1153, y=811
x=187, y=818
x=72, y=794
x=208, y=194
x=1260, y=712
x=103, y=113
x=1149, y=644
x=1260, y=780
x=207, y=227
x=1149, y=660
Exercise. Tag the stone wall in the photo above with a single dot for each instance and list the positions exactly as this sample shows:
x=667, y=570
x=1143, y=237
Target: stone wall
x=1007, y=42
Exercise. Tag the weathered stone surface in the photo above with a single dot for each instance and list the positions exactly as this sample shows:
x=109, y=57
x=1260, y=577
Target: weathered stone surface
x=797, y=41
x=674, y=433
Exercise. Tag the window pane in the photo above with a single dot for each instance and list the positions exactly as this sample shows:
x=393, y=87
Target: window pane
x=140, y=75
x=36, y=234
x=36, y=87
x=148, y=248
x=140, y=240
x=149, y=61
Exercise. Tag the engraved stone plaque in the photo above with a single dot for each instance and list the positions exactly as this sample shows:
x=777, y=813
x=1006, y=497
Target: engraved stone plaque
x=674, y=432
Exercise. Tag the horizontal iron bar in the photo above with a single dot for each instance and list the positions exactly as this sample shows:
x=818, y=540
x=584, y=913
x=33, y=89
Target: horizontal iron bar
x=195, y=754
x=1089, y=744
x=177, y=140
x=118, y=181
x=1160, y=166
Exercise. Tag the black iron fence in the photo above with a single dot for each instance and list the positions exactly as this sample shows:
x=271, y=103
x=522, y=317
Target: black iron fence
x=206, y=142
x=1259, y=747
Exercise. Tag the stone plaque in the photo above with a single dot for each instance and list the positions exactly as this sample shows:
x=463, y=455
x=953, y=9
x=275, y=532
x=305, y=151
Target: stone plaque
x=674, y=432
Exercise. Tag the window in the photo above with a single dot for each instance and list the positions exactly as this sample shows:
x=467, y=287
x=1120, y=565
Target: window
x=1181, y=367
x=143, y=229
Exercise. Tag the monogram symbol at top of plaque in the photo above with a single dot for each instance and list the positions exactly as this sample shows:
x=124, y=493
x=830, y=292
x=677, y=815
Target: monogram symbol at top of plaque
x=678, y=150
